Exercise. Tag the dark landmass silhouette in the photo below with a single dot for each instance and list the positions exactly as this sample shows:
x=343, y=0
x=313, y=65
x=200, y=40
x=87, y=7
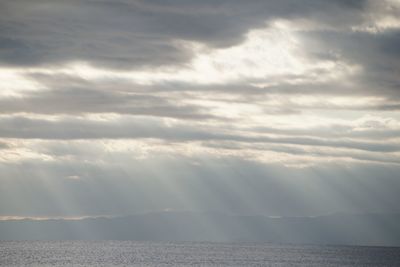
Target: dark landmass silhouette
x=339, y=229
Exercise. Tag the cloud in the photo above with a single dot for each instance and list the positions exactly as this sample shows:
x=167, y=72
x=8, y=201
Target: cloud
x=4, y=145
x=80, y=97
x=140, y=34
x=124, y=128
x=376, y=53
x=114, y=107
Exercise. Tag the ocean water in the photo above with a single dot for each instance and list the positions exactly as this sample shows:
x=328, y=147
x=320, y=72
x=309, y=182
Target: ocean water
x=133, y=253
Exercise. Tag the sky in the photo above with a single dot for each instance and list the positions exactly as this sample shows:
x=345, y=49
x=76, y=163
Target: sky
x=275, y=108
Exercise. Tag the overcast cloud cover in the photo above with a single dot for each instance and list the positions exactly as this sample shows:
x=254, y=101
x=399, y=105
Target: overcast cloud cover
x=279, y=108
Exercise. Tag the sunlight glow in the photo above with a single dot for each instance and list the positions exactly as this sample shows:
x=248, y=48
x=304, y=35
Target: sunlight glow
x=270, y=52
x=13, y=83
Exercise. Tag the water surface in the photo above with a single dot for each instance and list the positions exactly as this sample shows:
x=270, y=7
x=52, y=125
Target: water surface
x=133, y=253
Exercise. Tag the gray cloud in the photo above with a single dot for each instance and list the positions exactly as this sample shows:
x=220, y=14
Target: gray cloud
x=140, y=33
x=73, y=128
x=80, y=100
x=4, y=145
x=202, y=139
x=69, y=95
x=376, y=53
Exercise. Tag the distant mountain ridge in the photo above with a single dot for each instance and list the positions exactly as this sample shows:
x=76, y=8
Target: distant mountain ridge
x=343, y=229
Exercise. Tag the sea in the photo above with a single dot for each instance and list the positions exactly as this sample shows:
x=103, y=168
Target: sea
x=137, y=253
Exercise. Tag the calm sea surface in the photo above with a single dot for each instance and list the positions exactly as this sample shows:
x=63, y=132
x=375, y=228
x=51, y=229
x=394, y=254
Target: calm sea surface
x=132, y=253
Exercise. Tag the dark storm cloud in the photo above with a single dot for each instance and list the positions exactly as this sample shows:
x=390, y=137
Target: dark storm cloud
x=129, y=34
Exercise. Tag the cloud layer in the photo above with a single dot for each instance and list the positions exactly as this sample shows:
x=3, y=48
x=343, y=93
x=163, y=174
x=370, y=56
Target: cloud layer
x=291, y=103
